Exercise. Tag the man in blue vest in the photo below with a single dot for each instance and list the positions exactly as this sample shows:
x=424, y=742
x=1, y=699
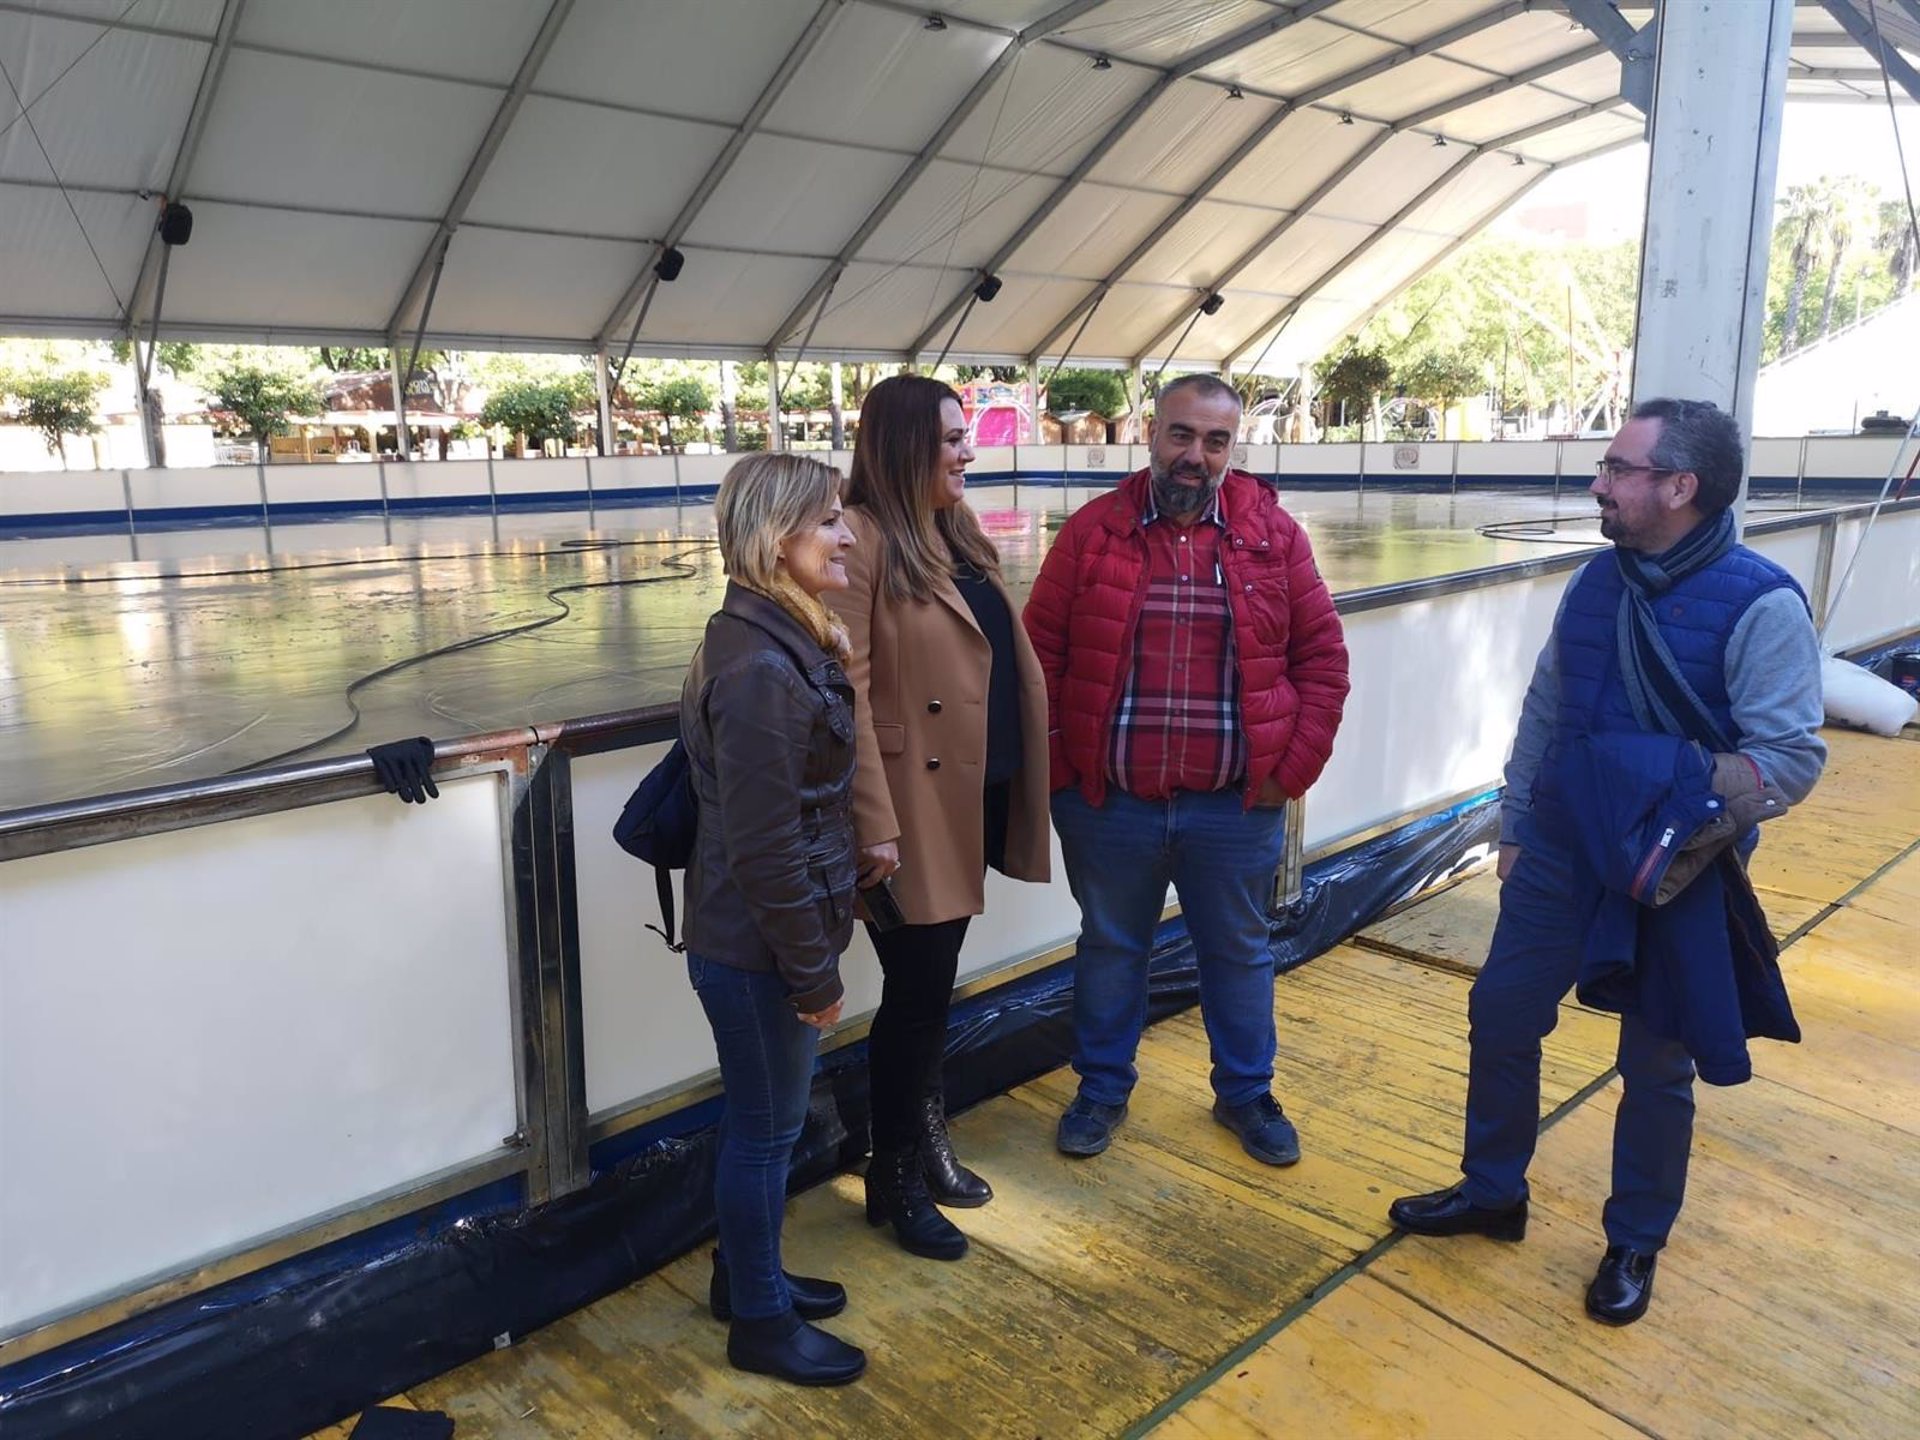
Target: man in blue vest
x=1679, y=630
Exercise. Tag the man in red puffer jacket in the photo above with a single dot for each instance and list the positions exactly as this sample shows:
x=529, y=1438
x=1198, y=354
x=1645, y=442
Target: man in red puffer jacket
x=1195, y=679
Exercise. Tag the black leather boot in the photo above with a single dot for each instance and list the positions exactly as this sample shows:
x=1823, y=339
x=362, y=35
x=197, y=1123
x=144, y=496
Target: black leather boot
x=948, y=1181
x=789, y=1348
x=813, y=1299
x=897, y=1192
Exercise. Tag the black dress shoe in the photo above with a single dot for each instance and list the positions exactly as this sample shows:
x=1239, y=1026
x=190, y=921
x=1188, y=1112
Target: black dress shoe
x=789, y=1348
x=1449, y=1212
x=948, y=1181
x=813, y=1299
x=1621, y=1287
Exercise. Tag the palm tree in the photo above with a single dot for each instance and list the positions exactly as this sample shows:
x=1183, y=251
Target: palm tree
x=1899, y=244
x=1805, y=219
x=1849, y=218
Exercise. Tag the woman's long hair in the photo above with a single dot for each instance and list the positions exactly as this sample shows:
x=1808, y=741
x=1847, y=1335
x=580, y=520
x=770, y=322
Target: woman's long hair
x=896, y=465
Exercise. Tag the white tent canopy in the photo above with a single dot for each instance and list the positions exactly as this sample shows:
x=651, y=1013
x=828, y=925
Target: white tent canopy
x=841, y=173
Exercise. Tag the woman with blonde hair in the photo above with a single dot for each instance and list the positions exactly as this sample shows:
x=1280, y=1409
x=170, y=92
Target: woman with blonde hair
x=766, y=714
x=951, y=716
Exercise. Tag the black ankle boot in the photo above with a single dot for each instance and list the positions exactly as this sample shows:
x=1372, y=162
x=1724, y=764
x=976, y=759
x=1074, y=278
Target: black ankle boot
x=789, y=1348
x=948, y=1181
x=897, y=1191
x=813, y=1299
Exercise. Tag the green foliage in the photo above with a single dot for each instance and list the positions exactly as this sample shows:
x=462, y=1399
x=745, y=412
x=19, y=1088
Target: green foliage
x=999, y=374
x=1837, y=240
x=59, y=405
x=684, y=400
x=261, y=399
x=178, y=356
x=1104, y=392
x=1441, y=377
x=357, y=359
x=539, y=410
x=1356, y=377
x=1508, y=306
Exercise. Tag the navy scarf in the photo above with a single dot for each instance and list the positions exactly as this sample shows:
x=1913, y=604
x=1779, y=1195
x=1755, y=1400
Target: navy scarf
x=1662, y=699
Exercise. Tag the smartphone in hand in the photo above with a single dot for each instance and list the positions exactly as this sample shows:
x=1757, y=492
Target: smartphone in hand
x=882, y=909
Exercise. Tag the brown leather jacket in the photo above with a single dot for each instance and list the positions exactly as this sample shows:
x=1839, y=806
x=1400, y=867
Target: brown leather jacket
x=767, y=717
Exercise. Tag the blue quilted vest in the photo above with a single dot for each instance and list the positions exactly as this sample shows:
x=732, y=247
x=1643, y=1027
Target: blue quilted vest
x=1696, y=619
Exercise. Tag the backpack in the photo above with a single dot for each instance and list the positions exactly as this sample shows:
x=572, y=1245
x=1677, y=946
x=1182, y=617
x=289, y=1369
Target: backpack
x=658, y=825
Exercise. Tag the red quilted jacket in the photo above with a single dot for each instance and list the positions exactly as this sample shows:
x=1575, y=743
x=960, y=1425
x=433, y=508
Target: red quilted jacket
x=1286, y=634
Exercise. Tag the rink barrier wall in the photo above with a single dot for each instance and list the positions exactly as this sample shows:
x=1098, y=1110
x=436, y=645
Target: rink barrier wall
x=92, y=501
x=491, y=1044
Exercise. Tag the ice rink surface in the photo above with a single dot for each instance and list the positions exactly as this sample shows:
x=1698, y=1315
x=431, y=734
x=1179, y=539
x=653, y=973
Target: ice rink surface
x=221, y=649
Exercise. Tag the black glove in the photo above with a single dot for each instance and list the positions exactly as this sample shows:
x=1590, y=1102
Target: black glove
x=405, y=768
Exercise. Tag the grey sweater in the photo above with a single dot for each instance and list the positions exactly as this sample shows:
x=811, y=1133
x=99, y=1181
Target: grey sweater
x=1773, y=680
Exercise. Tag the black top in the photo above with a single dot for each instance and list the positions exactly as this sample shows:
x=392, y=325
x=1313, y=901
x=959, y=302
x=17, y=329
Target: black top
x=995, y=619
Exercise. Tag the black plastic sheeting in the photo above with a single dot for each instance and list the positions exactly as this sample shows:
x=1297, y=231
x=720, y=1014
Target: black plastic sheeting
x=288, y=1350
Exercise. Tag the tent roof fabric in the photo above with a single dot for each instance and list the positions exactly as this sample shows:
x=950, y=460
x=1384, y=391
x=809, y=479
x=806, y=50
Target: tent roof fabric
x=838, y=174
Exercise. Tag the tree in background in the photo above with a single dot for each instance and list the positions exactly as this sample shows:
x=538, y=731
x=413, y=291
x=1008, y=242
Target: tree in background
x=1103, y=392
x=538, y=410
x=1520, y=311
x=683, y=401
x=261, y=399
x=1899, y=245
x=1355, y=379
x=58, y=405
x=1440, y=379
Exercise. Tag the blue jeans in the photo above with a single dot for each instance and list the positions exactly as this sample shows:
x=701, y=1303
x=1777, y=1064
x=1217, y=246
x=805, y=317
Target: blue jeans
x=766, y=1067
x=1220, y=858
x=1515, y=1003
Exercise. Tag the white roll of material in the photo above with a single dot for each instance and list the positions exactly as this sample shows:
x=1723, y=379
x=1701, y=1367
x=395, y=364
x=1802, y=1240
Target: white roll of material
x=1859, y=698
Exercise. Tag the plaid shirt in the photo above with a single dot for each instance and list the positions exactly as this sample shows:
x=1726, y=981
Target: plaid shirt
x=1178, y=725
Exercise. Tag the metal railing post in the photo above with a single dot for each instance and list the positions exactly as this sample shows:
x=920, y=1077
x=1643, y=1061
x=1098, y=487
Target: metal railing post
x=549, y=1059
x=1289, y=884
x=1823, y=572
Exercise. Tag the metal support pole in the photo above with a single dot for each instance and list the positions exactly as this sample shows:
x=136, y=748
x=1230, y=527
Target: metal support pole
x=1817, y=594
x=399, y=409
x=1453, y=479
x=839, y=402
x=1719, y=93
x=776, y=432
x=1800, y=476
x=603, y=397
x=1289, y=885
x=551, y=1061
x=729, y=402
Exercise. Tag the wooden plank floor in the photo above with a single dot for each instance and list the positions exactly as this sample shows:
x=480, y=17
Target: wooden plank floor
x=1174, y=1283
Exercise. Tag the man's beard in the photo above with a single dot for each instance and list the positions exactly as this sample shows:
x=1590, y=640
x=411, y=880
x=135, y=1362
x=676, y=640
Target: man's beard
x=1176, y=499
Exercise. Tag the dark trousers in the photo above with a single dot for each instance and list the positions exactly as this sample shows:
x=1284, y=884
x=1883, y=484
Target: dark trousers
x=1514, y=1004
x=766, y=1065
x=917, y=965
x=909, y=1035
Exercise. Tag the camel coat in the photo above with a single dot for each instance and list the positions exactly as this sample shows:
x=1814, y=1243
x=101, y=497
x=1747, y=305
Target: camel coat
x=920, y=672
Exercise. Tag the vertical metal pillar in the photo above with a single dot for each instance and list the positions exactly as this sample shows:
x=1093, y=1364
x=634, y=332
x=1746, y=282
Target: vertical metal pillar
x=550, y=1064
x=838, y=403
x=1289, y=883
x=399, y=407
x=776, y=432
x=603, y=397
x=729, y=403
x=1719, y=90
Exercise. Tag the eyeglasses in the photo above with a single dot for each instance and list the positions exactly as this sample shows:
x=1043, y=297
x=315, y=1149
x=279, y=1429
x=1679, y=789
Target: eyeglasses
x=1611, y=469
